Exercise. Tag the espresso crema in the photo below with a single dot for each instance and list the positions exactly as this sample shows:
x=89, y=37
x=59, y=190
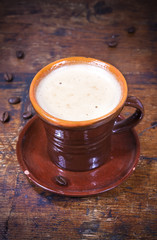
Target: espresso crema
x=78, y=92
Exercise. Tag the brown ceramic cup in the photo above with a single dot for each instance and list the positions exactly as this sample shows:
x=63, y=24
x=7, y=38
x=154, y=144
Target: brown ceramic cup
x=84, y=145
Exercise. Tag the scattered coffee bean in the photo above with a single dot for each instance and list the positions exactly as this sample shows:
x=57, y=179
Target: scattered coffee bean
x=29, y=107
x=27, y=115
x=113, y=44
x=115, y=35
x=20, y=54
x=101, y=8
x=14, y=100
x=4, y=116
x=62, y=181
x=131, y=29
x=8, y=77
x=154, y=125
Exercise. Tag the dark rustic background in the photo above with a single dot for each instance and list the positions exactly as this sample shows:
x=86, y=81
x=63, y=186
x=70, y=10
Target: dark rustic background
x=50, y=30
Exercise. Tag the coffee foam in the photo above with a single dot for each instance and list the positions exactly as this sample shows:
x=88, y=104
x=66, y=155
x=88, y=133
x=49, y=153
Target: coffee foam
x=78, y=92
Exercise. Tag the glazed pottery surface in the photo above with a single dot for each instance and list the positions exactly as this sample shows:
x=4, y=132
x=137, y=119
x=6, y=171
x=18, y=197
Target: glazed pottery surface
x=39, y=168
x=84, y=145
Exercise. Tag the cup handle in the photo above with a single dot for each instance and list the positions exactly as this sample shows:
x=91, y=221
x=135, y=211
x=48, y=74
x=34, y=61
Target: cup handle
x=134, y=119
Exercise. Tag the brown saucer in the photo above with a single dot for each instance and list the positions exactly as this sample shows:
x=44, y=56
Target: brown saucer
x=36, y=164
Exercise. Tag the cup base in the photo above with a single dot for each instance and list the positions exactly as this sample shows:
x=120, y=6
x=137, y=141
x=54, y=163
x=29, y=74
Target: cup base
x=82, y=170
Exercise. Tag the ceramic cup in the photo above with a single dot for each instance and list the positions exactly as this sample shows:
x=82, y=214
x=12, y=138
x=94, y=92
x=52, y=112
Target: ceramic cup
x=84, y=145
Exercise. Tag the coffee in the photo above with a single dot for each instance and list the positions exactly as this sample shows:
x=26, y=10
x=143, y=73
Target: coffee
x=78, y=92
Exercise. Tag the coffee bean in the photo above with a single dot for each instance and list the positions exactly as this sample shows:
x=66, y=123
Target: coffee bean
x=113, y=44
x=8, y=77
x=14, y=100
x=62, y=181
x=154, y=125
x=101, y=8
x=131, y=29
x=115, y=35
x=27, y=115
x=4, y=116
x=29, y=107
x=20, y=54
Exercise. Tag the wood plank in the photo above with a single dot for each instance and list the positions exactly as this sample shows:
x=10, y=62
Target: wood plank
x=50, y=30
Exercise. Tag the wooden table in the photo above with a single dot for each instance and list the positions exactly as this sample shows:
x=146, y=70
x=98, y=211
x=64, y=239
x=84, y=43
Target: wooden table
x=50, y=30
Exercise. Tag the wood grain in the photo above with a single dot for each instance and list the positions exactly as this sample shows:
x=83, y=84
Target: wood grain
x=47, y=31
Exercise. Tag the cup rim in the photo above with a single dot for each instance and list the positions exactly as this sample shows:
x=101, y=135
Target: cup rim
x=75, y=60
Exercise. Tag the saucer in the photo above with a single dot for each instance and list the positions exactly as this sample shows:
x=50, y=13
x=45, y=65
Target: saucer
x=37, y=166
